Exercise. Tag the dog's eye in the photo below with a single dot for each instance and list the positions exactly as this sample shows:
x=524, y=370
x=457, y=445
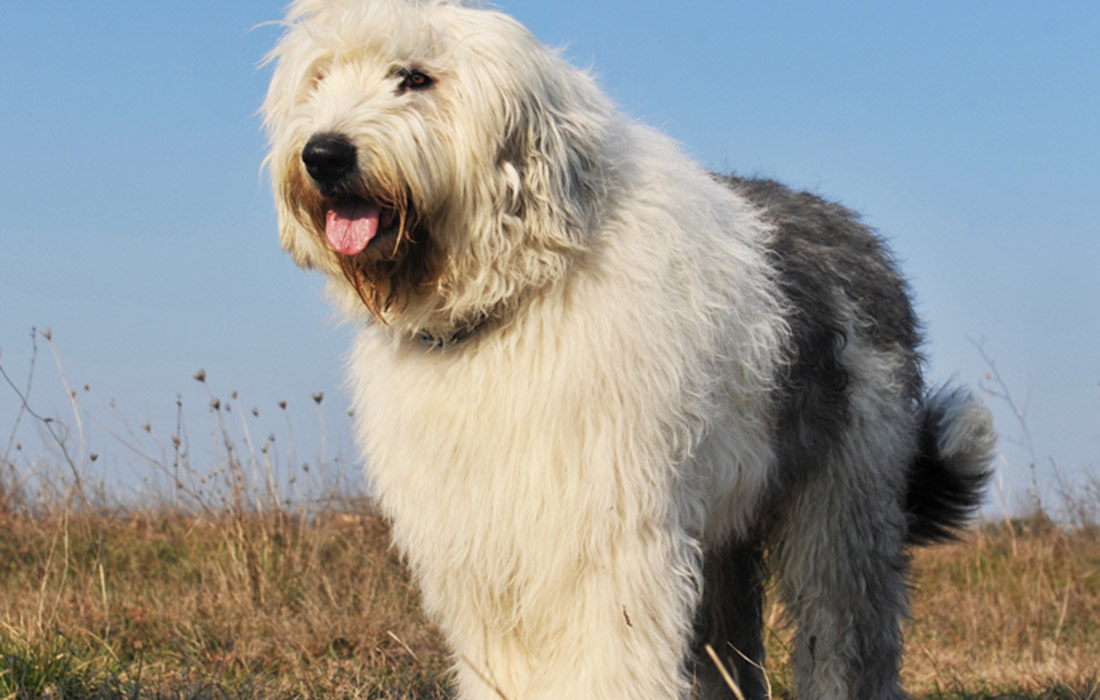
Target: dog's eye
x=415, y=80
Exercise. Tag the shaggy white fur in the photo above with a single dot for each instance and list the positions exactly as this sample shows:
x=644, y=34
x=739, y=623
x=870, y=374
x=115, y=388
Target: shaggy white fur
x=574, y=352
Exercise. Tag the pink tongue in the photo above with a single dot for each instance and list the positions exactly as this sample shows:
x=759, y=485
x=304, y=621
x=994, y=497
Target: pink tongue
x=350, y=225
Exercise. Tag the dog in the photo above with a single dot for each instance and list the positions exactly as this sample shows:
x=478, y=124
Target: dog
x=602, y=393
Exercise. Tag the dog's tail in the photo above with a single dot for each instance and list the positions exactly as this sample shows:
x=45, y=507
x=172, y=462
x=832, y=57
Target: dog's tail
x=947, y=479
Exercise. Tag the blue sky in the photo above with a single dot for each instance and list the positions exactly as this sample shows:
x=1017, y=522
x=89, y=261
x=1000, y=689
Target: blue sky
x=136, y=223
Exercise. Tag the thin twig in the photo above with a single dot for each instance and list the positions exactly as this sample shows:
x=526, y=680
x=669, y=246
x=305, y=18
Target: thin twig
x=725, y=674
x=485, y=679
x=26, y=392
x=79, y=472
x=49, y=423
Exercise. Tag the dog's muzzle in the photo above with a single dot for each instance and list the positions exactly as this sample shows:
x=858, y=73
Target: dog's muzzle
x=330, y=159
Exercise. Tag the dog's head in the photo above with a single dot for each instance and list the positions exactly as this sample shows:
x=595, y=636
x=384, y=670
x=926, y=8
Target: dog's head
x=434, y=159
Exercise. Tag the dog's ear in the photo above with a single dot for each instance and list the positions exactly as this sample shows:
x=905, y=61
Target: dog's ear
x=529, y=137
x=552, y=145
x=551, y=160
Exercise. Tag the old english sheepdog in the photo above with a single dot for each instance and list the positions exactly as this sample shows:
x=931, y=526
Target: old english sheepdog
x=603, y=393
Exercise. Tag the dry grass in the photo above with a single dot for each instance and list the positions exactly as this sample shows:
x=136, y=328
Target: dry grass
x=1017, y=606
x=239, y=572
x=279, y=604
x=158, y=604
x=238, y=584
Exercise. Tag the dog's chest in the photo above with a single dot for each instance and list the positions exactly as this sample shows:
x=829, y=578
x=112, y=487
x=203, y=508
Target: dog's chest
x=478, y=456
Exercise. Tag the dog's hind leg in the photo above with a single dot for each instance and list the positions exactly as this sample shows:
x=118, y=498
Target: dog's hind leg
x=838, y=552
x=841, y=569
x=729, y=619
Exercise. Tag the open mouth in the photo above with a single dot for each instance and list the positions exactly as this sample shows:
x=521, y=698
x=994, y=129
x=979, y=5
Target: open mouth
x=351, y=223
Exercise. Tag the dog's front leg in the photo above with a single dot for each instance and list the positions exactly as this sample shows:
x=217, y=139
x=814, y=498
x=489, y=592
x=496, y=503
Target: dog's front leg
x=614, y=626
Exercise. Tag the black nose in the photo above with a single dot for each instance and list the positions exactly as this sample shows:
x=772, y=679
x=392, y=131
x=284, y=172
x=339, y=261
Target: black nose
x=329, y=158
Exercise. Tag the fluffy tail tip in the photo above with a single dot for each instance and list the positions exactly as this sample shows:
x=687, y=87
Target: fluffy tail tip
x=948, y=477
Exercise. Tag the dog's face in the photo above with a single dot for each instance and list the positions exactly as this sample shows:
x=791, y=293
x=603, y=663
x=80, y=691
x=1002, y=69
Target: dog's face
x=426, y=154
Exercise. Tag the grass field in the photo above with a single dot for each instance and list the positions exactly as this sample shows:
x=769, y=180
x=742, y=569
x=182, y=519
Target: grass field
x=271, y=604
x=226, y=587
